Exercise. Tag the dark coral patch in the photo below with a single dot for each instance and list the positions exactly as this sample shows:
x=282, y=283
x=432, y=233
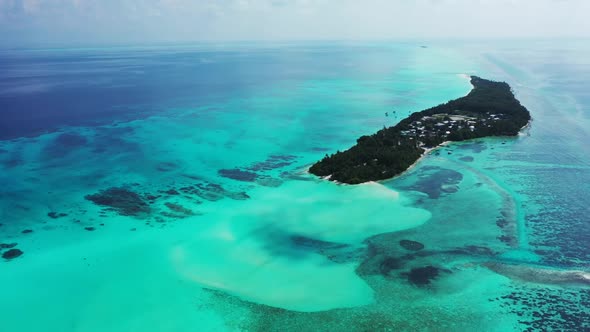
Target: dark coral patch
x=238, y=196
x=63, y=145
x=106, y=144
x=171, y=192
x=213, y=192
x=179, y=209
x=449, y=189
x=90, y=229
x=152, y=198
x=509, y=240
x=548, y=308
x=70, y=140
x=501, y=222
x=123, y=201
x=422, y=276
x=479, y=251
x=436, y=182
x=7, y=245
x=300, y=246
x=192, y=177
x=306, y=242
x=389, y=264
x=476, y=146
x=27, y=231
x=238, y=174
x=209, y=192
x=411, y=245
x=467, y=159
x=296, y=176
x=15, y=160
x=12, y=253
x=268, y=181
x=166, y=167
x=215, y=189
x=273, y=162
x=56, y=215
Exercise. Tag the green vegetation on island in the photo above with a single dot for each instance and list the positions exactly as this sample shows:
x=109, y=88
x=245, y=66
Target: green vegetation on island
x=490, y=109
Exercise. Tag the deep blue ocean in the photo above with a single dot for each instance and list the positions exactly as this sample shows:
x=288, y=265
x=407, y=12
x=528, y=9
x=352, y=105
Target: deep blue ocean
x=164, y=188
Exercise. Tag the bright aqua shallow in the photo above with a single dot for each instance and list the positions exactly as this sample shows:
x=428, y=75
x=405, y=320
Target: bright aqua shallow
x=300, y=253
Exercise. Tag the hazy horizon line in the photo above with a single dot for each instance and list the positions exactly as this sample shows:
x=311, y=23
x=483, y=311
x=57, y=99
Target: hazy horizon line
x=221, y=42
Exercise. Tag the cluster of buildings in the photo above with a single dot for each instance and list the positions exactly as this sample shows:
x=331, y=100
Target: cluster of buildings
x=442, y=125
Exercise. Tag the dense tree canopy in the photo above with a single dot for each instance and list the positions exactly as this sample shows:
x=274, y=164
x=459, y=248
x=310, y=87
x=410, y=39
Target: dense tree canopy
x=490, y=109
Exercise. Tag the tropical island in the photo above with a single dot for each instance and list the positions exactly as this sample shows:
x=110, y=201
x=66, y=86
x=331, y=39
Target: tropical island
x=490, y=109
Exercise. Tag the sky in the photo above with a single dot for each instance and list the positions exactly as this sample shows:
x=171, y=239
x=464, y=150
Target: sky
x=36, y=22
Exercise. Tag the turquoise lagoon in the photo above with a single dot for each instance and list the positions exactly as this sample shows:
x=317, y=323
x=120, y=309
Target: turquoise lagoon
x=236, y=236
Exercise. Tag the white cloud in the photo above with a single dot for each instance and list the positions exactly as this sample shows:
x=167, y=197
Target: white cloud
x=149, y=20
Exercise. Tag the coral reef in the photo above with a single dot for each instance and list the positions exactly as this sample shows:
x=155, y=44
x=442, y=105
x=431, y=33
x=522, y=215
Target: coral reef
x=122, y=200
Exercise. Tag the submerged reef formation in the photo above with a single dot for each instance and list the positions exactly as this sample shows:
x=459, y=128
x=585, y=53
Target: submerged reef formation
x=490, y=109
x=56, y=215
x=272, y=162
x=256, y=171
x=213, y=192
x=411, y=245
x=541, y=275
x=238, y=174
x=422, y=276
x=63, y=145
x=12, y=253
x=161, y=206
x=122, y=200
x=177, y=211
x=548, y=308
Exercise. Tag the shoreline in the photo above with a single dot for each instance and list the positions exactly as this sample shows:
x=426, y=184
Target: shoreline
x=424, y=155
x=468, y=78
x=447, y=143
x=490, y=108
x=427, y=152
x=413, y=165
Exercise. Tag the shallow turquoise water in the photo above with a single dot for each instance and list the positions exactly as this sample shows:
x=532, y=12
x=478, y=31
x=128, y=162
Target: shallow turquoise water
x=276, y=249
